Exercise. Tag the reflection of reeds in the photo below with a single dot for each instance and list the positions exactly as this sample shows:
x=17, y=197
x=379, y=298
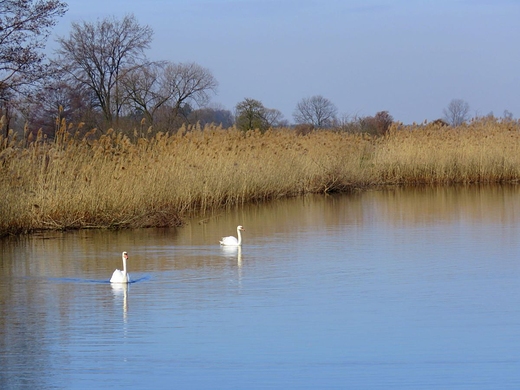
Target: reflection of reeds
x=118, y=181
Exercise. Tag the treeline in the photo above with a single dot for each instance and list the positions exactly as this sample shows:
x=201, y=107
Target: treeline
x=100, y=78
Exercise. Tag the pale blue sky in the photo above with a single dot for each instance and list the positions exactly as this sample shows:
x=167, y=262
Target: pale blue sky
x=407, y=57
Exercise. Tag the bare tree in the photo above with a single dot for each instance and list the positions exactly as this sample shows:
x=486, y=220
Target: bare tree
x=507, y=115
x=169, y=87
x=188, y=84
x=145, y=90
x=316, y=110
x=58, y=100
x=24, y=28
x=274, y=118
x=457, y=112
x=99, y=55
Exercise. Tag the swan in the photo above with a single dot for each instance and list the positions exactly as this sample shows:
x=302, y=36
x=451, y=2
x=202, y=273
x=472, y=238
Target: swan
x=121, y=276
x=232, y=241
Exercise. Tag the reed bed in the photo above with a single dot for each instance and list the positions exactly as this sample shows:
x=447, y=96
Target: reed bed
x=119, y=181
x=484, y=151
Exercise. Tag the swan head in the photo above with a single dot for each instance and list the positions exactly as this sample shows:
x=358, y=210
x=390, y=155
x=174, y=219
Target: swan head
x=240, y=228
x=125, y=255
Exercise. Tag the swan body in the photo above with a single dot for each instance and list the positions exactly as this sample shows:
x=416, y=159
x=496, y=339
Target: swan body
x=233, y=241
x=121, y=276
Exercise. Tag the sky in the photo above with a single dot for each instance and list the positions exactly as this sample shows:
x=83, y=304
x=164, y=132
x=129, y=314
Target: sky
x=407, y=57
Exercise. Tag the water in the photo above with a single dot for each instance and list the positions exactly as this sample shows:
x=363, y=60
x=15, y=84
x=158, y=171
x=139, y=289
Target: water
x=415, y=288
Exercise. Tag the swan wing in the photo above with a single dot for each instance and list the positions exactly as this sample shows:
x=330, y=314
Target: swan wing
x=229, y=241
x=117, y=277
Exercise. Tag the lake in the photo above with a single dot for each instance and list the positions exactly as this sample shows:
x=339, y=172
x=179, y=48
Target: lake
x=412, y=288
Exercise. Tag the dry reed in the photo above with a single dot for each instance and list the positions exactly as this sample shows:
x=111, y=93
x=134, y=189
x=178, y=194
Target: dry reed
x=484, y=151
x=117, y=181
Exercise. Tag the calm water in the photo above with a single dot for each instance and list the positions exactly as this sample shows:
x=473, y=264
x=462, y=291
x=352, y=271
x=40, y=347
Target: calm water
x=402, y=289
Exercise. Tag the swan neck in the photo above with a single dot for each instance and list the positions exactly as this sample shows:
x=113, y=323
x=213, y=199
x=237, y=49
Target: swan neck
x=124, y=265
x=239, y=237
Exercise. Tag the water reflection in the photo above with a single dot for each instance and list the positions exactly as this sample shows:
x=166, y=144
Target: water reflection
x=232, y=252
x=93, y=254
x=121, y=290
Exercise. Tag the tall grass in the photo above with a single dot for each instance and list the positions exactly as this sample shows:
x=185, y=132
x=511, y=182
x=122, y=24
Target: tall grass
x=485, y=151
x=120, y=181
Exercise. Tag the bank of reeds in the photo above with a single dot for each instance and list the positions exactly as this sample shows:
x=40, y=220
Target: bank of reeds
x=117, y=181
x=484, y=151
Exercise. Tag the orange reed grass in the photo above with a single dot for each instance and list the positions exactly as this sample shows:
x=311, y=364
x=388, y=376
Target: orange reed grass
x=118, y=181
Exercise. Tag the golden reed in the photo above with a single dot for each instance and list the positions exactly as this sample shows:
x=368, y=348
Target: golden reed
x=120, y=181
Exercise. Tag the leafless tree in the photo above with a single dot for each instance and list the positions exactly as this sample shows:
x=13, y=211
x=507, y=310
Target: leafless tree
x=507, y=115
x=188, y=83
x=24, y=28
x=457, y=112
x=316, y=110
x=274, y=118
x=145, y=90
x=167, y=86
x=55, y=101
x=99, y=55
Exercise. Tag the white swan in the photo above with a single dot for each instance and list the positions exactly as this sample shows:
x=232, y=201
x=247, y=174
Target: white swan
x=121, y=276
x=232, y=241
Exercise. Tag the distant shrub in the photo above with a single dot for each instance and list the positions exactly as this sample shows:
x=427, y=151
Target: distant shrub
x=303, y=129
x=376, y=125
x=439, y=122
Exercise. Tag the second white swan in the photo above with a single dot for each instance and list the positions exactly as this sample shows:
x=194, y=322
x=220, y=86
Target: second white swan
x=121, y=276
x=233, y=241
